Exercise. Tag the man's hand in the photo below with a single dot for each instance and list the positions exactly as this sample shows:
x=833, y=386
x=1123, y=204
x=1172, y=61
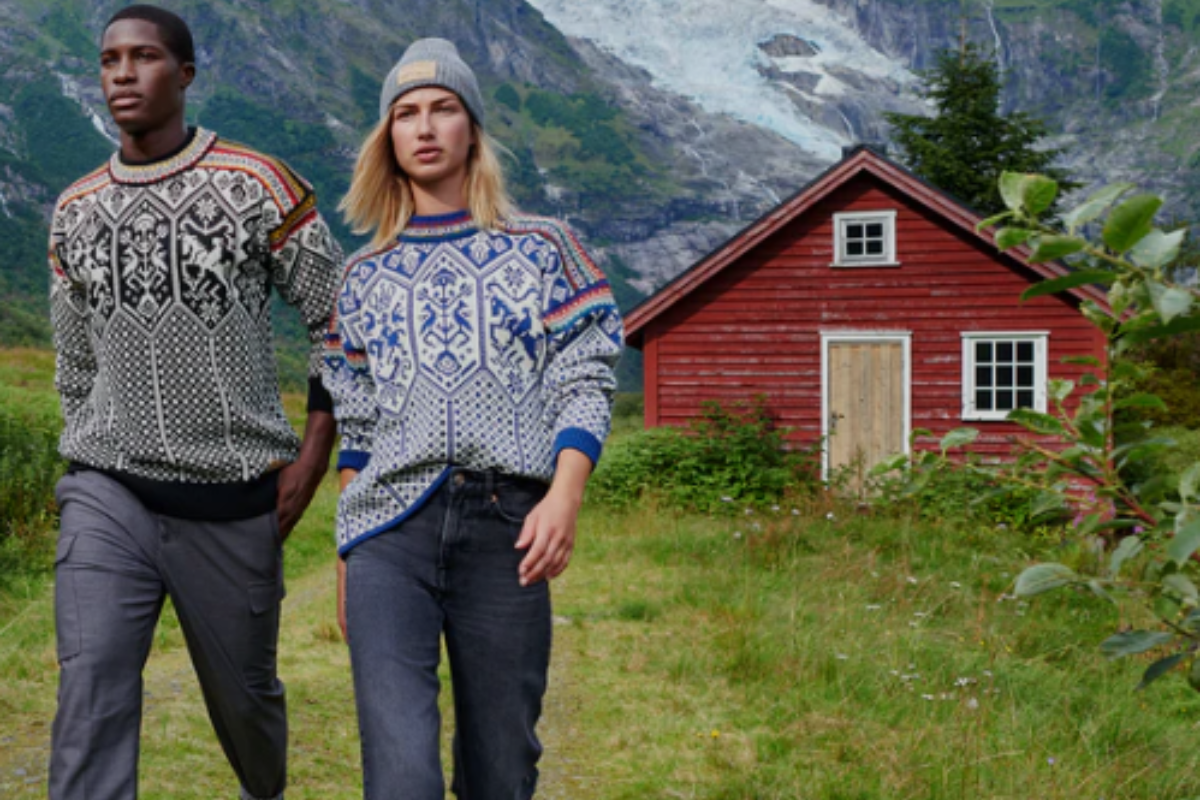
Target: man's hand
x=299, y=480
x=549, y=530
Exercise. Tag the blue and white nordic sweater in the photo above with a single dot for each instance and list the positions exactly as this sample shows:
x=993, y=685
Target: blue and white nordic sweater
x=460, y=347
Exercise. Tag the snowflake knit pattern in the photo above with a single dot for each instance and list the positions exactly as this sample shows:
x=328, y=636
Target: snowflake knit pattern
x=161, y=278
x=460, y=347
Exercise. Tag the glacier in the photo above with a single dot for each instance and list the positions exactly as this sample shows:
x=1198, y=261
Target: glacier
x=710, y=52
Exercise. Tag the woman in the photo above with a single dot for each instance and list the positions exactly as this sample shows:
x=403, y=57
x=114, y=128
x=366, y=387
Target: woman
x=472, y=370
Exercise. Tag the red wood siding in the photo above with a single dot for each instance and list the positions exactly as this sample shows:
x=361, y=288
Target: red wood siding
x=756, y=326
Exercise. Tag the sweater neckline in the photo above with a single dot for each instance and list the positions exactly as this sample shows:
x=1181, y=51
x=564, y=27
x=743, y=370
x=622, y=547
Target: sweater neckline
x=155, y=171
x=438, y=227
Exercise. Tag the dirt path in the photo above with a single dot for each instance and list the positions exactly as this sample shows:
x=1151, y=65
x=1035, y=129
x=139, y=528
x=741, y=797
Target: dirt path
x=180, y=756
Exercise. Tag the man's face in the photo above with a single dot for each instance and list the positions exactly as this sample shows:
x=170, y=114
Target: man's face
x=143, y=82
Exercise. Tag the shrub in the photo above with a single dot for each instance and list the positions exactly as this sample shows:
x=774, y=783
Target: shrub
x=729, y=458
x=29, y=468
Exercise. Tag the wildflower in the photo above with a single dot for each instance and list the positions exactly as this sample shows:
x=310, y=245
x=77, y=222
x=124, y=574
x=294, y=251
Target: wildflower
x=795, y=512
x=726, y=499
x=1050, y=761
x=749, y=511
x=972, y=704
x=737, y=534
x=873, y=606
x=774, y=508
x=911, y=579
x=842, y=657
x=987, y=673
x=955, y=585
x=1138, y=530
x=756, y=526
x=715, y=733
x=926, y=697
x=920, y=614
x=829, y=516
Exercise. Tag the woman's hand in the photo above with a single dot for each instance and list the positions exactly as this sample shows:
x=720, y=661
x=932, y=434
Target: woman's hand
x=549, y=530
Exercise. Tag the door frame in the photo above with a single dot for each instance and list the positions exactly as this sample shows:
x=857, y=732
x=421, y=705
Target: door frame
x=904, y=338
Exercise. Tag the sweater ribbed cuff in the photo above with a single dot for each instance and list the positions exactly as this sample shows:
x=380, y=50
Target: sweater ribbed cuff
x=578, y=439
x=353, y=459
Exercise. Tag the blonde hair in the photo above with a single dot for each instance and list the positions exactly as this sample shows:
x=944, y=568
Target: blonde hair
x=380, y=200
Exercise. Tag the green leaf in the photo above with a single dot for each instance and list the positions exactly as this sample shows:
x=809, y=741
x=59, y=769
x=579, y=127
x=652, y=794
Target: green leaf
x=1129, y=548
x=1159, y=668
x=1130, y=643
x=1077, y=278
x=1173, y=328
x=898, y=461
x=992, y=221
x=1141, y=400
x=1012, y=189
x=1087, y=361
x=1007, y=238
x=1130, y=222
x=1158, y=249
x=1185, y=542
x=1169, y=301
x=1099, y=590
x=1189, y=483
x=1194, y=675
x=1045, y=503
x=958, y=438
x=1095, y=205
x=1051, y=247
x=1044, y=578
x=1039, y=193
x=1060, y=389
x=1181, y=587
x=1036, y=421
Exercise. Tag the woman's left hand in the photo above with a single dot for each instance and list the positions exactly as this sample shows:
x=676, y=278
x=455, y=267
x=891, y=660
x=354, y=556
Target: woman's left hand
x=549, y=530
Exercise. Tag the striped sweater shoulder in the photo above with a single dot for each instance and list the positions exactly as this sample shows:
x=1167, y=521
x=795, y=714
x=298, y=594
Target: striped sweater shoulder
x=93, y=182
x=272, y=171
x=580, y=270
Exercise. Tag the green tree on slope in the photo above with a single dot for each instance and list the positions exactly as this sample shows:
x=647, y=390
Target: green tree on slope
x=968, y=143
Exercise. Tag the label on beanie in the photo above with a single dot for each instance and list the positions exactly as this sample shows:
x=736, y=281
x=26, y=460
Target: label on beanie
x=416, y=71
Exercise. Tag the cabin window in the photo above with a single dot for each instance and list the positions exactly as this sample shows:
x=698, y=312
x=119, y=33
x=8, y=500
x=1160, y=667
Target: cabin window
x=1001, y=372
x=865, y=239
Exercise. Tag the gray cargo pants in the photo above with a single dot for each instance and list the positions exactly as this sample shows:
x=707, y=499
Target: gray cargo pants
x=115, y=563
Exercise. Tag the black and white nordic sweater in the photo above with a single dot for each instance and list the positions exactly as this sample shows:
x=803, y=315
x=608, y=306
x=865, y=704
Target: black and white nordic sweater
x=161, y=276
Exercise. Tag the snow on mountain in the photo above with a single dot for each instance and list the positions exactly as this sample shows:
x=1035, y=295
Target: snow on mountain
x=792, y=66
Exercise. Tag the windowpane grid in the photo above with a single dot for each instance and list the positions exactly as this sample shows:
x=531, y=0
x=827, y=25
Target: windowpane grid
x=865, y=240
x=1005, y=374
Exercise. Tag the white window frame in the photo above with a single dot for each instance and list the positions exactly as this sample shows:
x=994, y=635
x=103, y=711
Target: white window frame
x=1041, y=346
x=885, y=259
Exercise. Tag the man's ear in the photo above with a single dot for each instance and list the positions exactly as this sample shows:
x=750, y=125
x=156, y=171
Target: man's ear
x=188, y=74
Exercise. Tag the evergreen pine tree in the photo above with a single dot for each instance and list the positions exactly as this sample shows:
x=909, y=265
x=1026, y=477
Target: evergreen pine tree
x=965, y=146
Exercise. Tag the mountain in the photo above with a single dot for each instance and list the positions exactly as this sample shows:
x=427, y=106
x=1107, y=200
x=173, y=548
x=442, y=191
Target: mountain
x=657, y=127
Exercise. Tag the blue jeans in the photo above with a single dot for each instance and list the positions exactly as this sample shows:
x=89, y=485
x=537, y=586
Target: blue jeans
x=450, y=569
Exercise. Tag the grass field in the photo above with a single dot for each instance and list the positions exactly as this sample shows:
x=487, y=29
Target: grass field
x=817, y=654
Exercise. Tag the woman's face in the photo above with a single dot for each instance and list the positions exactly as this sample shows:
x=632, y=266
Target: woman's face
x=432, y=137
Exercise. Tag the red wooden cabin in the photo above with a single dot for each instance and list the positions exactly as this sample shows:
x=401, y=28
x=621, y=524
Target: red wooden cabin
x=863, y=307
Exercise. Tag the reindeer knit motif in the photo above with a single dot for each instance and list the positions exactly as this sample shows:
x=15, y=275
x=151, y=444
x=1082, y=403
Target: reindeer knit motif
x=160, y=288
x=460, y=347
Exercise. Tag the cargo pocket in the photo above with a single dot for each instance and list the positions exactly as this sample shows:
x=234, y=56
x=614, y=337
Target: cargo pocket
x=67, y=625
x=265, y=596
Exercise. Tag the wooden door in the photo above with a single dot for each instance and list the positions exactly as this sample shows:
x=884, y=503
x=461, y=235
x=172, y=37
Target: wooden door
x=866, y=406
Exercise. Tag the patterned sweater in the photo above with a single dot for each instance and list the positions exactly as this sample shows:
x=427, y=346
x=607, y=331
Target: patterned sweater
x=462, y=347
x=161, y=277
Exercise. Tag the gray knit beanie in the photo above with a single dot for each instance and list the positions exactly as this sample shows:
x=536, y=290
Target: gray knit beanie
x=432, y=62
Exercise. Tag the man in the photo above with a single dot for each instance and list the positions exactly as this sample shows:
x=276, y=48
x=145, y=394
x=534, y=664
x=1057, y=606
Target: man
x=185, y=476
